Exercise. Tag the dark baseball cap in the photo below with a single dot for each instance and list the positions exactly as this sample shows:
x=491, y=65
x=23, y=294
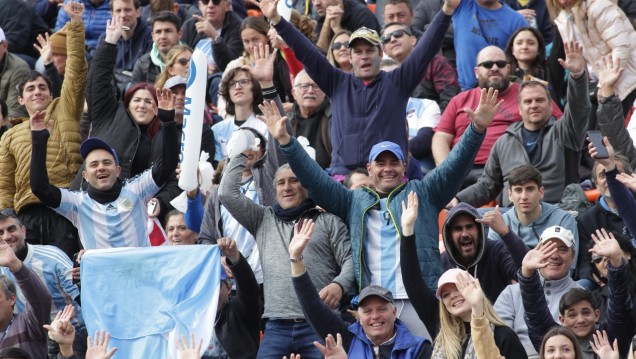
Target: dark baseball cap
x=377, y=291
x=95, y=143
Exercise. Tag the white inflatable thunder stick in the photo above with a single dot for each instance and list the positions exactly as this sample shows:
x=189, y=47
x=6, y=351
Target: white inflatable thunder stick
x=193, y=120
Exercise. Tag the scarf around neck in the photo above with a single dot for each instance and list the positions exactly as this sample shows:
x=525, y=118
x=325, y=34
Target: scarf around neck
x=291, y=214
x=105, y=196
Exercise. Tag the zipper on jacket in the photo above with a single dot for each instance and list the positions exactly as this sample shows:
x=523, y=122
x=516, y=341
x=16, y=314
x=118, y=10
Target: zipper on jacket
x=362, y=235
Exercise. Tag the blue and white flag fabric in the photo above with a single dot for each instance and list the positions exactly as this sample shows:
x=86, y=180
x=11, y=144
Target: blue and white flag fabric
x=146, y=298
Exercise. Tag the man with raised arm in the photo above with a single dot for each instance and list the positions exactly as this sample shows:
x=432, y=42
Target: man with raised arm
x=373, y=215
x=368, y=106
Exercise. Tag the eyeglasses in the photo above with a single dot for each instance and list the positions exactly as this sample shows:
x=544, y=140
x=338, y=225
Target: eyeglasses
x=206, y=2
x=489, y=64
x=397, y=34
x=307, y=86
x=7, y=212
x=240, y=82
x=339, y=45
x=182, y=61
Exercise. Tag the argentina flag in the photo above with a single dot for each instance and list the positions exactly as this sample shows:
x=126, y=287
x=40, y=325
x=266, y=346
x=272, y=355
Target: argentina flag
x=146, y=298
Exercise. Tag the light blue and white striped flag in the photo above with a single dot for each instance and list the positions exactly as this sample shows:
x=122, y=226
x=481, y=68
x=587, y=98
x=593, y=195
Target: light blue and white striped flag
x=148, y=297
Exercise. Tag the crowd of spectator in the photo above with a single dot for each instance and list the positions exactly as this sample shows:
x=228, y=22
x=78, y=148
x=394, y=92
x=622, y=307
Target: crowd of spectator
x=392, y=179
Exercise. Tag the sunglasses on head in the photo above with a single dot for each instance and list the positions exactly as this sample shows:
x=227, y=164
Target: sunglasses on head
x=397, y=34
x=489, y=64
x=206, y=2
x=339, y=45
x=7, y=212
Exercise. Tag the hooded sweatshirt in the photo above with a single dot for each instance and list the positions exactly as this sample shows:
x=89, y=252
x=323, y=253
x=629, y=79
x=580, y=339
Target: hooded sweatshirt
x=551, y=215
x=492, y=264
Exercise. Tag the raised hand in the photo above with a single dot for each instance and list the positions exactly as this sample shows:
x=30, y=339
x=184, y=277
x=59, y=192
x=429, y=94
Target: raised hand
x=494, y=220
x=601, y=346
x=74, y=10
x=263, y=68
x=409, y=214
x=269, y=9
x=37, y=122
x=302, y=234
x=449, y=6
x=333, y=348
x=537, y=258
x=8, y=257
x=605, y=245
x=609, y=163
x=471, y=291
x=627, y=180
x=574, y=60
x=189, y=351
x=205, y=27
x=275, y=123
x=61, y=330
x=165, y=99
x=292, y=356
x=113, y=30
x=228, y=248
x=44, y=47
x=99, y=348
x=608, y=71
x=334, y=16
x=488, y=107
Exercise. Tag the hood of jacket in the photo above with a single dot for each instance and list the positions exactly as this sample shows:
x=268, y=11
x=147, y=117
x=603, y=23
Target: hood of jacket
x=459, y=209
x=531, y=234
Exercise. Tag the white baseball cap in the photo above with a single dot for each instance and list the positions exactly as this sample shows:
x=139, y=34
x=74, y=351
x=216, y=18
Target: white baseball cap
x=565, y=235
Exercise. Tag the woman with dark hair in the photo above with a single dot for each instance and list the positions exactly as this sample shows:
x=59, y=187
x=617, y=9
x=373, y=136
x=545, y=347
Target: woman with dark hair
x=242, y=94
x=254, y=32
x=560, y=342
x=134, y=126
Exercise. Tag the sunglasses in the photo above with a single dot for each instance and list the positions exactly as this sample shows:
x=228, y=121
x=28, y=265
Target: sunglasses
x=489, y=64
x=241, y=83
x=339, y=45
x=182, y=61
x=206, y=2
x=397, y=34
x=597, y=259
x=7, y=212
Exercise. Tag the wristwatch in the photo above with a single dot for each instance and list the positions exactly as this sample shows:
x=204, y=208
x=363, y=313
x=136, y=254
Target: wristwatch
x=296, y=260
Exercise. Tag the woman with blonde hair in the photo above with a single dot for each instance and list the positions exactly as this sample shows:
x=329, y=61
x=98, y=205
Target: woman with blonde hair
x=338, y=53
x=468, y=325
x=176, y=65
x=602, y=29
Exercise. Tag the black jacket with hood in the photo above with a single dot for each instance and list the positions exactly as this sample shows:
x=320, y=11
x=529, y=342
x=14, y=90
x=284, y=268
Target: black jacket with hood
x=494, y=265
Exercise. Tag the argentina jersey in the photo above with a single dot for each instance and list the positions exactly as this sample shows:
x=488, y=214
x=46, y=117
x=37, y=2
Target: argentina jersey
x=53, y=267
x=382, y=251
x=121, y=223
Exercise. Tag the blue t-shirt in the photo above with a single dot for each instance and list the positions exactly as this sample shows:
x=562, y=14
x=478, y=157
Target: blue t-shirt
x=477, y=27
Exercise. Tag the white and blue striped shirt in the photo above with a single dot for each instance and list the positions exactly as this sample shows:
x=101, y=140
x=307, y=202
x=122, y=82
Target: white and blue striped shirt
x=382, y=251
x=121, y=223
x=53, y=267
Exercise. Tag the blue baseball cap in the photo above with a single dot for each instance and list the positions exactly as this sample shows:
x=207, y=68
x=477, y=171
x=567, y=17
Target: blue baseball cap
x=386, y=146
x=95, y=143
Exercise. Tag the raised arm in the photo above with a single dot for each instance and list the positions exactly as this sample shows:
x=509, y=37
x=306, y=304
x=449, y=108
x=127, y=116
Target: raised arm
x=517, y=249
x=100, y=95
x=322, y=319
x=537, y=314
x=424, y=301
x=246, y=212
x=74, y=84
x=40, y=186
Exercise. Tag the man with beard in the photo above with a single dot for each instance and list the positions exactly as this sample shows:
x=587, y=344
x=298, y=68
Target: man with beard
x=468, y=248
x=492, y=70
x=551, y=146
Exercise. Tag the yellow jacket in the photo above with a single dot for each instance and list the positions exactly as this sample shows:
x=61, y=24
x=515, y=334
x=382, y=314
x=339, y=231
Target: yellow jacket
x=63, y=159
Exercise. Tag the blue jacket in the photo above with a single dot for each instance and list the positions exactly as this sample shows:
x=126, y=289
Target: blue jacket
x=325, y=321
x=94, y=19
x=434, y=192
x=365, y=114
